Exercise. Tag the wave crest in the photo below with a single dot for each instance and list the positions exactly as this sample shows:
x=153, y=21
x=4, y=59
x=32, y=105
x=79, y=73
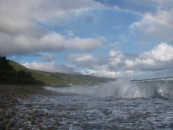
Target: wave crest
x=123, y=88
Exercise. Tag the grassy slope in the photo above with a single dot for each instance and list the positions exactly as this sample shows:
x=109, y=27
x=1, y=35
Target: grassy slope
x=59, y=79
x=76, y=79
x=14, y=73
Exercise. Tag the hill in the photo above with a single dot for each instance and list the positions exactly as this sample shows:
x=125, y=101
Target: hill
x=12, y=72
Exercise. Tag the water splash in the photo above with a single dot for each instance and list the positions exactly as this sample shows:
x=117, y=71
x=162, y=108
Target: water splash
x=123, y=88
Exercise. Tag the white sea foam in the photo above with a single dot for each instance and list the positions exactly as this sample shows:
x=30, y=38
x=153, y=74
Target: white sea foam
x=122, y=88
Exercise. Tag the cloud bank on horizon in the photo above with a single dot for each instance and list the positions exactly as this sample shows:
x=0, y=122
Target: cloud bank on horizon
x=109, y=38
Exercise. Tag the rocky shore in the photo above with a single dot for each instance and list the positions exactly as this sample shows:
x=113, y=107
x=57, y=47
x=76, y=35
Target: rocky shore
x=43, y=110
x=18, y=114
x=7, y=111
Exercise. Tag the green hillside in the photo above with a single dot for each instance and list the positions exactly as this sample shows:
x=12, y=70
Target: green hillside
x=13, y=73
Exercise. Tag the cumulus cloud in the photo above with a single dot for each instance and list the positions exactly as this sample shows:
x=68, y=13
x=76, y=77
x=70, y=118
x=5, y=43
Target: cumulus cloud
x=115, y=57
x=21, y=44
x=156, y=24
x=58, y=41
x=116, y=64
x=57, y=11
x=162, y=52
x=87, y=60
x=49, y=67
x=82, y=60
x=19, y=14
x=101, y=73
x=148, y=27
x=159, y=58
x=20, y=32
x=92, y=65
x=15, y=15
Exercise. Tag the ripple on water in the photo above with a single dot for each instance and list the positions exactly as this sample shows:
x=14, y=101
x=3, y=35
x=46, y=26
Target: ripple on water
x=80, y=112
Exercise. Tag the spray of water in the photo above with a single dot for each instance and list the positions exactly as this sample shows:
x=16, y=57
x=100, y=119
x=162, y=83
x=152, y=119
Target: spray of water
x=123, y=88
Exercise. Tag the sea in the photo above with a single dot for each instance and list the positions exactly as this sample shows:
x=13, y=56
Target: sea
x=116, y=105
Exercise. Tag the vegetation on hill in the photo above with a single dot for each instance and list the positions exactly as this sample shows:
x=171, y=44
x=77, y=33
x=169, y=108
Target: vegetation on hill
x=13, y=73
x=10, y=75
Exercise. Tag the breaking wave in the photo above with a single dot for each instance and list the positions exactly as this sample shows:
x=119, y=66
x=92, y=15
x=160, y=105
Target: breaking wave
x=123, y=88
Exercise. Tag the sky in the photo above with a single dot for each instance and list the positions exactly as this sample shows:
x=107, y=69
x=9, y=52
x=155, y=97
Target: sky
x=106, y=38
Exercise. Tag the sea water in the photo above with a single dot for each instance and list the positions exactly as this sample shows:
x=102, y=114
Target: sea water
x=118, y=105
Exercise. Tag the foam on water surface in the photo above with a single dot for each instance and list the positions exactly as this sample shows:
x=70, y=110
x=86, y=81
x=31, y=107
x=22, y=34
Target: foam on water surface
x=123, y=89
x=119, y=105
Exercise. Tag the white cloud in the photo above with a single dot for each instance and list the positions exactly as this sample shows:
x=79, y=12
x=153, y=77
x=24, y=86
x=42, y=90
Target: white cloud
x=156, y=25
x=20, y=32
x=117, y=64
x=159, y=58
x=115, y=57
x=165, y=17
x=87, y=60
x=52, y=41
x=15, y=15
x=18, y=14
x=57, y=11
x=58, y=42
x=162, y=52
x=149, y=28
x=52, y=66
x=92, y=65
x=49, y=67
x=82, y=60
x=101, y=73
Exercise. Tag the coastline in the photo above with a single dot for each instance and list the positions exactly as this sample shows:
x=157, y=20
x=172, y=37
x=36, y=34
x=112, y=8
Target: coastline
x=12, y=96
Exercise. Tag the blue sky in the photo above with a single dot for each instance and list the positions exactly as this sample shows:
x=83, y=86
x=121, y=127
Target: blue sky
x=110, y=38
